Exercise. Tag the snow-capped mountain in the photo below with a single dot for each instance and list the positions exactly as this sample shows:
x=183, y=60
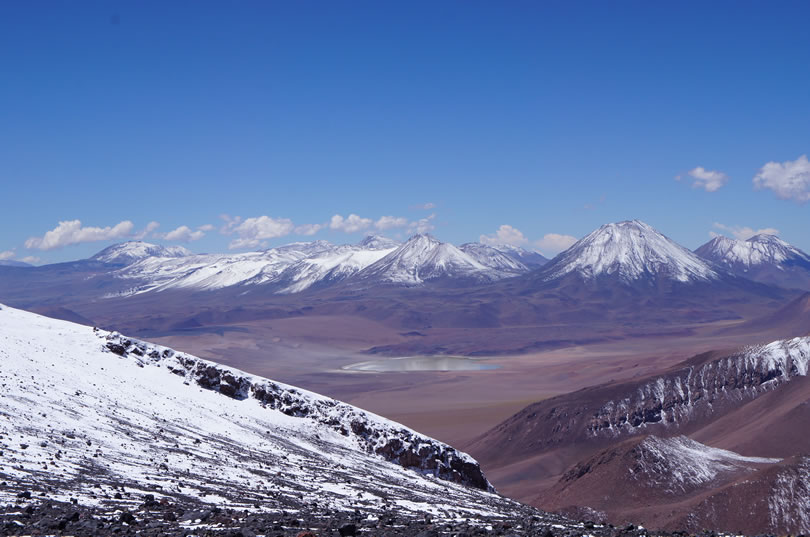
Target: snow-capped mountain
x=630, y=251
x=129, y=252
x=333, y=265
x=88, y=414
x=378, y=242
x=529, y=258
x=215, y=271
x=423, y=258
x=765, y=258
x=495, y=258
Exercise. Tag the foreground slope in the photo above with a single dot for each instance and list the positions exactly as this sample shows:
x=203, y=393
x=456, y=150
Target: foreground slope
x=102, y=419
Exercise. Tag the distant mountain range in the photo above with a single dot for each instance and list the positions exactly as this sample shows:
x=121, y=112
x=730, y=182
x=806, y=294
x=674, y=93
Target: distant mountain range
x=629, y=253
x=619, y=278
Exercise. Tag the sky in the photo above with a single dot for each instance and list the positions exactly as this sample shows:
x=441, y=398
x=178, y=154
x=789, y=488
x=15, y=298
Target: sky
x=241, y=125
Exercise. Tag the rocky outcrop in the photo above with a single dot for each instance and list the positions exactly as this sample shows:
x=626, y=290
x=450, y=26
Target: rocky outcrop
x=372, y=433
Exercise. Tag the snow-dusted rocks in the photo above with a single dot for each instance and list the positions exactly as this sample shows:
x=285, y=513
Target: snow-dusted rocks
x=630, y=251
x=680, y=464
x=86, y=413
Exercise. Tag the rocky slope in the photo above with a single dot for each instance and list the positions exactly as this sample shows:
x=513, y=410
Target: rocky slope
x=108, y=422
x=580, y=447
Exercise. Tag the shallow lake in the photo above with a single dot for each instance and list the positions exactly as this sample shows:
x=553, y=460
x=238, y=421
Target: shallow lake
x=421, y=363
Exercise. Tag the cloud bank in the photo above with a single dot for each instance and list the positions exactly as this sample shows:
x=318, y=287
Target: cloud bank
x=550, y=244
x=741, y=232
x=789, y=180
x=71, y=232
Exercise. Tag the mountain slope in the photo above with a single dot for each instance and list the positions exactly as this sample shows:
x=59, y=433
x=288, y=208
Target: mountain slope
x=88, y=414
x=762, y=258
x=210, y=272
x=630, y=252
x=752, y=402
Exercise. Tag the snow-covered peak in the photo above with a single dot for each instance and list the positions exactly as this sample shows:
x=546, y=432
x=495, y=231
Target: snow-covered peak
x=631, y=251
x=129, y=252
x=378, y=242
x=759, y=250
x=530, y=258
x=423, y=258
x=494, y=257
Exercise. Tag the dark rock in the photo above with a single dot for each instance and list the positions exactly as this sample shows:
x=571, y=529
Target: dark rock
x=347, y=530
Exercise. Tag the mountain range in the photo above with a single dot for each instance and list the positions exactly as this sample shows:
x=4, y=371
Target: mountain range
x=621, y=280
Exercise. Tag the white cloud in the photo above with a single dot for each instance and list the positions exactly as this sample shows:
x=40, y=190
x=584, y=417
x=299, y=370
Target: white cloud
x=206, y=227
x=72, y=232
x=8, y=254
x=308, y=229
x=350, y=224
x=742, y=232
x=424, y=206
x=390, y=222
x=31, y=259
x=246, y=243
x=150, y=227
x=230, y=223
x=553, y=243
x=708, y=180
x=184, y=234
x=506, y=234
x=789, y=180
x=423, y=225
x=252, y=231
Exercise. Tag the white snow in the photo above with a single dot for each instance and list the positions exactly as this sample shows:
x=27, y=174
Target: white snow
x=86, y=421
x=631, y=250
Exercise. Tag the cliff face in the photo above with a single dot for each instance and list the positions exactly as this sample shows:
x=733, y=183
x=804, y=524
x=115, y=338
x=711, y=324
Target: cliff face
x=698, y=391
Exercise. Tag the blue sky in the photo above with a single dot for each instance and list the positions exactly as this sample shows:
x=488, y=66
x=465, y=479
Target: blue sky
x=549, y=117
